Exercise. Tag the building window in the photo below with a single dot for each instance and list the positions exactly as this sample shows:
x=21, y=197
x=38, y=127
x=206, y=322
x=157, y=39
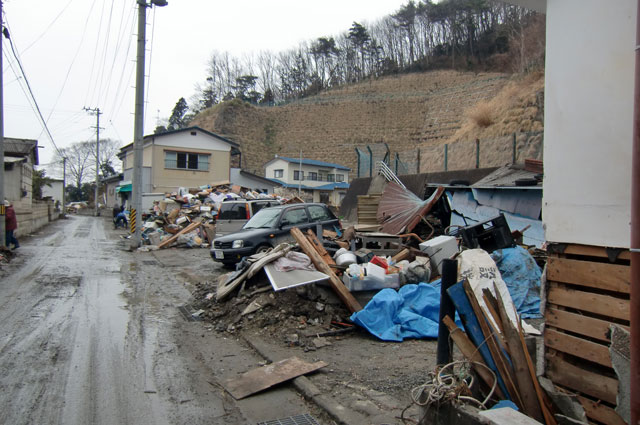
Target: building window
x=298, y=175
x=312, y=176
x=277, y=174
x=186, y=161
x=339, y=177
x=331, y=177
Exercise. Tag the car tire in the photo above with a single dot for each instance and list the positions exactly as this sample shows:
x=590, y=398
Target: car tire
x=262, y=248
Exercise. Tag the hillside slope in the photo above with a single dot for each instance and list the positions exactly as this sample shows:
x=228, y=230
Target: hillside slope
x=406, y=112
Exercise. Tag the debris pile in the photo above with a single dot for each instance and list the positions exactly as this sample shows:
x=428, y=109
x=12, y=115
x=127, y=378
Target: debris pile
x=187, y=218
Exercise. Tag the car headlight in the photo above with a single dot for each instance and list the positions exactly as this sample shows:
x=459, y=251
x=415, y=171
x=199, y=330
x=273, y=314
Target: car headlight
x=239, y=243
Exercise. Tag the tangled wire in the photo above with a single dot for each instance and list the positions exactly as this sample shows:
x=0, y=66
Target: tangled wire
x=443, y=387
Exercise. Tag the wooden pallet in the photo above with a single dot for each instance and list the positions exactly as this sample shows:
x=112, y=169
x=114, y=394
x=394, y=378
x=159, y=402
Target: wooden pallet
x=586, y=292
x=368, y=209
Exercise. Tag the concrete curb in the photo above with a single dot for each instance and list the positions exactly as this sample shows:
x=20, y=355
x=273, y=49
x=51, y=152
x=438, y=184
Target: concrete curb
x=305, y=387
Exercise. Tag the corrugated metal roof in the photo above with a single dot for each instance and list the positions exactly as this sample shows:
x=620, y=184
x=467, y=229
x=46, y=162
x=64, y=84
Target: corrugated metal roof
x=507, y=176
x=21, y=147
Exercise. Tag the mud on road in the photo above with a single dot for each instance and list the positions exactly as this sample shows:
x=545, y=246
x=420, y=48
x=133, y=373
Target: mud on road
x=92, y=333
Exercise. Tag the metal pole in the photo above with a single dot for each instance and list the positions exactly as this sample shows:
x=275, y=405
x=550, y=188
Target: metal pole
x=64, y=183
x=138, y=129
x=477, y=153
x=97, y=160
x=635, y=238
x=2, y=180
x=449, y=278
x=514, y=155
x=300, y=175
x=446, y=154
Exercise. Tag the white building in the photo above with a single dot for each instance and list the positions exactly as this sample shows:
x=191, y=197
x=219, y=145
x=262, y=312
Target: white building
x=317, y=181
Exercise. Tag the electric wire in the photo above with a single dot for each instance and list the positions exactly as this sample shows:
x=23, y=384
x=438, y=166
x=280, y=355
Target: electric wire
x=120, y=90
x=116, y=52
x=148, y=84
x=46, y=30
x=90, y=93
x=103, y=64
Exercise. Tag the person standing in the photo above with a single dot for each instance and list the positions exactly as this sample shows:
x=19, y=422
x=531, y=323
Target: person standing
x=11, y=224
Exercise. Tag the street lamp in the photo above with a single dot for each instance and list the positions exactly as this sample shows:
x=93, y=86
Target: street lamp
x=138, y=127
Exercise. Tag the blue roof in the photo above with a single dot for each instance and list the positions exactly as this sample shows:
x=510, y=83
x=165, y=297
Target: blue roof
x=328, y=186
x=314, y=162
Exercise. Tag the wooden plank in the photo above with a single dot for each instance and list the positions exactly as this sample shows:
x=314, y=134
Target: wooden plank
x=471, y=353
x=496, y=352
x=600, y=412
x=543, y=398
x=611, y=277
x=187, y=229
x=577, y=347
x=594, y=303
x=311, y=237
x=267, y=376
x=593, y=251
x=581, y=380
x=578, y=323
x=343, y=293
x=527, y=391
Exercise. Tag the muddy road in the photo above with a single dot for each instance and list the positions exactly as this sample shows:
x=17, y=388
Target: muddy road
x=92, y=334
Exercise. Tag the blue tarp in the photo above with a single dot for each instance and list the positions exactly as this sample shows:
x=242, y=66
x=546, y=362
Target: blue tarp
x=410, y=312
x=521, y=274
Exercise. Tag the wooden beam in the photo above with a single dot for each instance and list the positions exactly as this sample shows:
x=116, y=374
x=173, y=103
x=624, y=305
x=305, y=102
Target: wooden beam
x=586, y=301
x=187, y=229
x=335, y=282
x=495, y=350
x=577, y=347
x=527, y=391
x=581, y=380
x=579, y=323
x=472, y=354
x=313, y=239
x=611, y=277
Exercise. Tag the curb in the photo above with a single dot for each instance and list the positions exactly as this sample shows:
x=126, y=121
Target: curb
x=305, y=387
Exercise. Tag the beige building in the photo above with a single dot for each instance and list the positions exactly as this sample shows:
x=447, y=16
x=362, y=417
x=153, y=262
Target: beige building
x=188, y=157
x=317, y=181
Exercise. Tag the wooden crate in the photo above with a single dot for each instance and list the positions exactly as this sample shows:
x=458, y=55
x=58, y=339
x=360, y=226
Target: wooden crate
x=368, y=209
x=588, y=289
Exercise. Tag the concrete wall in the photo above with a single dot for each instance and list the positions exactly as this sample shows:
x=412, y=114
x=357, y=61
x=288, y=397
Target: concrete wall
x=34, y=218
x=54, y=191
x=588, y=121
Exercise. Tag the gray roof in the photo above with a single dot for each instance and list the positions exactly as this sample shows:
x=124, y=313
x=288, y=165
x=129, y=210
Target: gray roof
x=506, y=177
x=21, y=147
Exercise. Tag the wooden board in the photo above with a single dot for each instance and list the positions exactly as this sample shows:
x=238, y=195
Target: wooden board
x=600, y=412
x=581, y=380
x=577, y=347
x=187, y=229
x=578, y=323
x=267, y=376
x=343, y=293
x=593, y=251
x=611, y=277
x=594, y=303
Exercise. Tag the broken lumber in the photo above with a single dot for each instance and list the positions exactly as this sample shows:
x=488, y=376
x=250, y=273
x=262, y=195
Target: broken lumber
x=343, y=293
x=173, y=238
x=472, y=354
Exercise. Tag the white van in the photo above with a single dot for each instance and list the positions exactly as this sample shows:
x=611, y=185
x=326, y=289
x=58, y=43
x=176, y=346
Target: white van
x=233, y=214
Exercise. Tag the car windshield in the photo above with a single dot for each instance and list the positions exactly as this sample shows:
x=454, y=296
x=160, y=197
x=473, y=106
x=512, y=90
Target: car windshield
x=264, y=219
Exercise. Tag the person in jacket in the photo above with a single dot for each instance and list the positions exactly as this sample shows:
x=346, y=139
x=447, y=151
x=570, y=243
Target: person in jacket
x=11, y=224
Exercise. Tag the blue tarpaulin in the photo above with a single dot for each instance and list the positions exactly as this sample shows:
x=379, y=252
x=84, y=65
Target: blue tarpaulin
x=410, y=312
x=522, y=275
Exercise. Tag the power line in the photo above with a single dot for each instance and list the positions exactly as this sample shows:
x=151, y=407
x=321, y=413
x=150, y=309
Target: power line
x=48, y=27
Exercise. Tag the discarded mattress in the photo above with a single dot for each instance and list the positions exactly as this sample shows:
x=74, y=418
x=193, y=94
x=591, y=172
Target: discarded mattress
x=410, y=312
x=522, y=275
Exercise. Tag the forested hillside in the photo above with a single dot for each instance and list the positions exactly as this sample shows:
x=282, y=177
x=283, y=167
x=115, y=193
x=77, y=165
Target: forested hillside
x=426, y=75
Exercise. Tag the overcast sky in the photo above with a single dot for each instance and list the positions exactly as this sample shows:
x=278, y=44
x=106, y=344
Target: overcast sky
x=81, y=53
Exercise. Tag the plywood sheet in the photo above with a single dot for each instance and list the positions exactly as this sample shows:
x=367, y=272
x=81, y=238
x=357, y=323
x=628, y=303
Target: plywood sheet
x=283, y=280
x=267, y=376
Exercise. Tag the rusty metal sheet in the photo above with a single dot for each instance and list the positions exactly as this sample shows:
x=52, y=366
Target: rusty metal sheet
x=267, y=376
x=400, y=210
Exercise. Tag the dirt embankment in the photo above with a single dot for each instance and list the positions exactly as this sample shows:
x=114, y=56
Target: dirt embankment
x=406, y=112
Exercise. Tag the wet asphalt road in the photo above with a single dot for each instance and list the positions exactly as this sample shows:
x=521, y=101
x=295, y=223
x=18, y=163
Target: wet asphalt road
x=88, y=335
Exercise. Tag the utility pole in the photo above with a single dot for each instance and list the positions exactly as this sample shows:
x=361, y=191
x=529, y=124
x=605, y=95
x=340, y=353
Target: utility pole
x=64, y=182
x=138, y=127
x=95, y=197
x=2, y=207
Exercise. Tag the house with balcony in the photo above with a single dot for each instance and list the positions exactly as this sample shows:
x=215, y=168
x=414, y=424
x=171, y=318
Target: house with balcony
x=317, y=181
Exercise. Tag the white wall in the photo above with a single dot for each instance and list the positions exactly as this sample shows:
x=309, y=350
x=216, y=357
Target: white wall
x=290, y=167
x=54, y=191
x=588, y=121
x=186, y=140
